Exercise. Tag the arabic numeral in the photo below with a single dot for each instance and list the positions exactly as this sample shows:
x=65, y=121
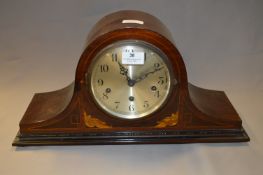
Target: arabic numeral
x=146, y=104
x=100, y=82
x=104, y=68
x=131, y=108
x=132, y=55
x=105, y=96
x=117, y=103
x=114, y=57
x=161, y=80
x=157, y=94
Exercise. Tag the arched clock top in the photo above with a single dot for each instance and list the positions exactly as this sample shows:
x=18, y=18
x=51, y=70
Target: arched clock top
x=131, y=25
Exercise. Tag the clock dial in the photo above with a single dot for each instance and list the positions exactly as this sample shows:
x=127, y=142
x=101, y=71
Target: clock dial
x=130, y=79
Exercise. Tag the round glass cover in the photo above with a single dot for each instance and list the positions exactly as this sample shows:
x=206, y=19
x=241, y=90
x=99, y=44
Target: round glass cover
x=130, y=79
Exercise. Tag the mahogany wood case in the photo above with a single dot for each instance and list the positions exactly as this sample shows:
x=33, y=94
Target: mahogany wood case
x=71, y=117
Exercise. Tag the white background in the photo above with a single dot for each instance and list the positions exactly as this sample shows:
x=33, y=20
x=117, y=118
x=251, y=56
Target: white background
x=222, y=45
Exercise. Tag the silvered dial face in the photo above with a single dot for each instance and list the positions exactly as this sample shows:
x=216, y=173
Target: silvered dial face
x=130, y=79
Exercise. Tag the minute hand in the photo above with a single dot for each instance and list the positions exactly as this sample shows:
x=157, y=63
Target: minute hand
x=148, y=73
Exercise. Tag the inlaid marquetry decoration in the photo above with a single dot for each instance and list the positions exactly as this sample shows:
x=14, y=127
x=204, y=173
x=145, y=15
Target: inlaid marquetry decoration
x=168, y=121
x=93, y=122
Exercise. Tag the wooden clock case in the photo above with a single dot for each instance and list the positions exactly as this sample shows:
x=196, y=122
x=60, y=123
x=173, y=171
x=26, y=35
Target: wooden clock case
x=71, y=117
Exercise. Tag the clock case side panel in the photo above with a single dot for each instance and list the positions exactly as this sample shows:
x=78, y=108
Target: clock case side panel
x=51, y=111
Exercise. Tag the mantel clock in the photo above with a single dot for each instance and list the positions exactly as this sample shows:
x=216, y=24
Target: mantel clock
x=130, y=88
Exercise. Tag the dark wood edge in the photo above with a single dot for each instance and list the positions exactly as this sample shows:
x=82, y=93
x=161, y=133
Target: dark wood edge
x=187, y=136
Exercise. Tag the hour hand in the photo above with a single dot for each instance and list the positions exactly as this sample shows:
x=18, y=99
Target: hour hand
x=124, y=71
